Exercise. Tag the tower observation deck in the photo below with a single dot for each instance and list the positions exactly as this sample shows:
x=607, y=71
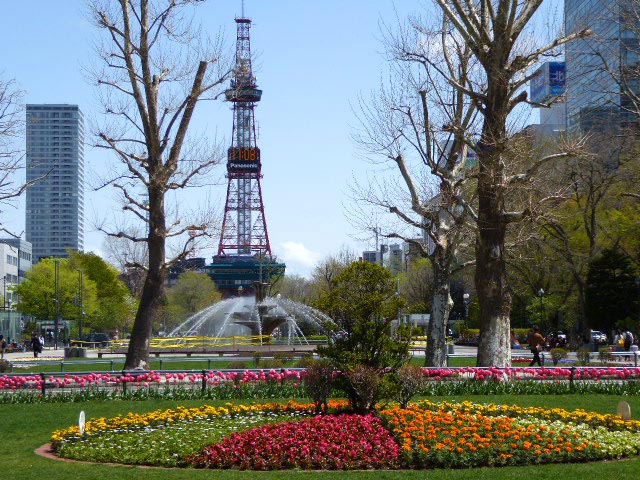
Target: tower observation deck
x=244, y=253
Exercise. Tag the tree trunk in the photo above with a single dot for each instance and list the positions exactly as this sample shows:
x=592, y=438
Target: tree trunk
x=152, y=291
x=494, y=348
x=435, y=355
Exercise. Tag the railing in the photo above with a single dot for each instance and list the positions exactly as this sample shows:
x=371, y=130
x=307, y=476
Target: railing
x=229, y=380
x=163, y=362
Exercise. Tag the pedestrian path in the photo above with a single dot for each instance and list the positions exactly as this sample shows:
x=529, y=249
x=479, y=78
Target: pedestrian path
x=49, y=353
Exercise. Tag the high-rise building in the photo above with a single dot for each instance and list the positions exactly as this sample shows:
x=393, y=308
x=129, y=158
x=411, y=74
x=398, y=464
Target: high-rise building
x=397, y=258
x=594, y=96
x=55, y=203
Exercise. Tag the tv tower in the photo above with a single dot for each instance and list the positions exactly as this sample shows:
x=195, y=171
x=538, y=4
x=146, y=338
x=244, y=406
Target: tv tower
x=244, y=227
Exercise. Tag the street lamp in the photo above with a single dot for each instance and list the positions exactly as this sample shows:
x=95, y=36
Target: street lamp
x=465, y=305
x=541, y=295
x=81, y=319
x=4, y=292
x=56, y=321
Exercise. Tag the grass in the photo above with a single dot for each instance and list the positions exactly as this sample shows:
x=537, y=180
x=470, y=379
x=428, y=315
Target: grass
x=27, y=427
x=117, y=364
x=178, y=363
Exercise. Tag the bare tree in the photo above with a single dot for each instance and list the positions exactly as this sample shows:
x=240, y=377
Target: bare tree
x=131, y=258
x=154, y=72
x=424, y=127
x=495, y=32
x=11, y=156
x=324, y=274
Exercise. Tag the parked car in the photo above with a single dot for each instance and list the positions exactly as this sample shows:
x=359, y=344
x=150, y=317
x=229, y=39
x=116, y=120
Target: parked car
x=598, y=337
x=96, y=340
x=557, y=342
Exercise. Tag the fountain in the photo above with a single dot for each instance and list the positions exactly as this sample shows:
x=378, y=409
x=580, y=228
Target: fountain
x=258, y=318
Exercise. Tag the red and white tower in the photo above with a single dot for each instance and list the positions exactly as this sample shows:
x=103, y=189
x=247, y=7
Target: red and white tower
x=244, y=227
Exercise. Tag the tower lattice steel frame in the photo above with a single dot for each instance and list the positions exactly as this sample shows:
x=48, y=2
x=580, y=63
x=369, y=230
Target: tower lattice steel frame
x=244, y=227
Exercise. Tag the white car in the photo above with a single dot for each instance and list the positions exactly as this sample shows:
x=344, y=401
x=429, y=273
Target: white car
x=598, y=337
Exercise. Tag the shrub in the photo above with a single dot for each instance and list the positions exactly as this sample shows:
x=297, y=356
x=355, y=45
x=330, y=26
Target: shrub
x=584, y=356
x=363, y=388
x=361, y=302
x=305, y=361
x=237, y=365
x=284, y=357
x=408, y=380
x=4, y=366
x=558, y=354
x=604, y=354
x=257, y=359
x=318, y=382
x=271, y=363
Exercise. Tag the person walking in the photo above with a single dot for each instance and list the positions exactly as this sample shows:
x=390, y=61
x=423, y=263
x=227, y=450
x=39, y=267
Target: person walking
x=628, y=340
x=536, y=342
x=36, y=345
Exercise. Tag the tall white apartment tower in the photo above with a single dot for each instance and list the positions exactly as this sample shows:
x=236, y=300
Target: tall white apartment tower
x=55, y=204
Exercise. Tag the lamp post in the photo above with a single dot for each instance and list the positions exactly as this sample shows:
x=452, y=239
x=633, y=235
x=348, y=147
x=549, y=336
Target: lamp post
x=56, y=321
x=541, y=295
x=465, y=305
x=81, y=319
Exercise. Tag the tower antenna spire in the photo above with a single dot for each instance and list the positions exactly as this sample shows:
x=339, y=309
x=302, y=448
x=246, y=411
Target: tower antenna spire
x=244, y=262
x=244, y=227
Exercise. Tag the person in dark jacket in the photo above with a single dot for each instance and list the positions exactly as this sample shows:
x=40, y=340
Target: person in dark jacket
x=36, y=345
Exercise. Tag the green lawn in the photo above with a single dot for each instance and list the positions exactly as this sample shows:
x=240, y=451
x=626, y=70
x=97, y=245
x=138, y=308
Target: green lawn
x=24, y=428
x=178, y=363
x=117, y=364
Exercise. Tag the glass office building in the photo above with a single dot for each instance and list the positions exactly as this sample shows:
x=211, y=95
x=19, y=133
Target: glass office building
x=594, y=98
x=55, y=202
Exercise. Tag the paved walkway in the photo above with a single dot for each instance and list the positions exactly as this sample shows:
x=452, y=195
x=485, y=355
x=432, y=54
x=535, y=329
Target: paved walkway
x=48, y=352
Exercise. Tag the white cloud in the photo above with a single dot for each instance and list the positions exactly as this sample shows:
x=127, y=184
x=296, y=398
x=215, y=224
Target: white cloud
x=299, y=259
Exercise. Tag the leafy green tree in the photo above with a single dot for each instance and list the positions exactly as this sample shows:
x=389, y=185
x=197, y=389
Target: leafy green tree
x=361, y=302
x=38, y=292
x=611, y=293
x=294, y=287
x=116, y=306
x=416, y=285
x=192, y=292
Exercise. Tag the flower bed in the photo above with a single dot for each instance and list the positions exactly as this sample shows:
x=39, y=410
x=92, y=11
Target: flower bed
x=340, y=442
x=168, y=435
x=424, y=435
x=264, y=384
x=459, y=435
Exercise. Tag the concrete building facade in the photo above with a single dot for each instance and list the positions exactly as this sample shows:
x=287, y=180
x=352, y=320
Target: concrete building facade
x=594, y=97
x=55, y=157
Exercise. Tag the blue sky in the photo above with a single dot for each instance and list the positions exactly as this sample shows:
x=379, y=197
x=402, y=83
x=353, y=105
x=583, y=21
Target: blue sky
x=314, y=59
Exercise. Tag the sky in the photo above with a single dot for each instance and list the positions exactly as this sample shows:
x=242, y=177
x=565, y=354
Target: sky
x=314, y=59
